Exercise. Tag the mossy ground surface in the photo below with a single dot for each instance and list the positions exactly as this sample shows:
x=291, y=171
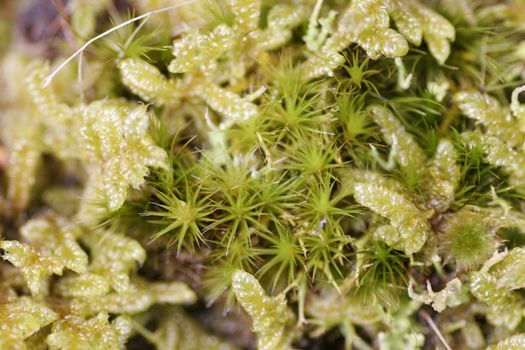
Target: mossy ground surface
x=262, y=174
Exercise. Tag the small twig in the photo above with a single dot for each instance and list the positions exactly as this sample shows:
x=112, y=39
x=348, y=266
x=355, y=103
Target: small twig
x=66, y=28
x=48, y=80
x=434, y=328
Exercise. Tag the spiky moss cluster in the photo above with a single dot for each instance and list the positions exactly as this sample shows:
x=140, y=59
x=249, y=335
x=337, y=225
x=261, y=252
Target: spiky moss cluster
x=338, y=170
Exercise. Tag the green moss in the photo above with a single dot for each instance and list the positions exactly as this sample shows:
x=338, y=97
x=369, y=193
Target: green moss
x=338, y=163
x=467, y=240
x=468, y=243
x=381, y=277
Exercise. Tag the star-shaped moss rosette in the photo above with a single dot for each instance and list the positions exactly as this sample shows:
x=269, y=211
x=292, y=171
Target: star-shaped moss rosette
x=262, y=174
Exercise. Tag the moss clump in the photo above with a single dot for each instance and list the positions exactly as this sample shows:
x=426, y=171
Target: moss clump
x=469, y=244
x=467, y=240
x=306, y=174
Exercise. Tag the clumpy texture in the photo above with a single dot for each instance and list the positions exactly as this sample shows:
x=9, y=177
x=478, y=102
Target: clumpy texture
x=262, y=174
